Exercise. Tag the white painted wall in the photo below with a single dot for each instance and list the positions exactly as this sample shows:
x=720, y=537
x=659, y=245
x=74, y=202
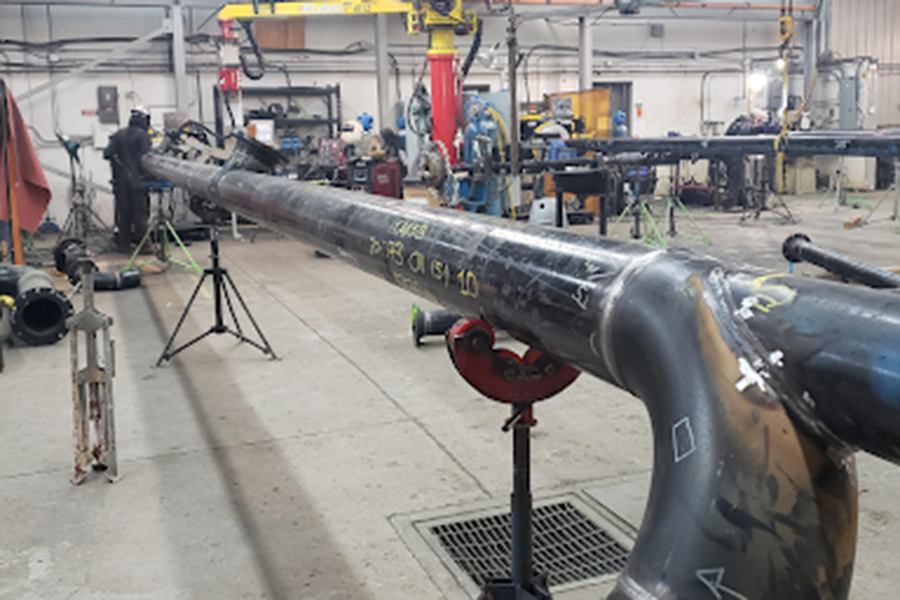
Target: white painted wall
x=668, y=89
x=59, y=109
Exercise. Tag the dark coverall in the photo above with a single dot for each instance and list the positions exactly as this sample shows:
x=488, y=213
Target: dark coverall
x=124, y=152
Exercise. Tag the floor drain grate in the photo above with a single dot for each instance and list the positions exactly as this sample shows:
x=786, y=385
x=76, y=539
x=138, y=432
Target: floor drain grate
x=567, y=545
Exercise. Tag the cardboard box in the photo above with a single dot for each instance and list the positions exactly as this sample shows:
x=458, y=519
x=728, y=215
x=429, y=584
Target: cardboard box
x=281, y=34
x=421, y=192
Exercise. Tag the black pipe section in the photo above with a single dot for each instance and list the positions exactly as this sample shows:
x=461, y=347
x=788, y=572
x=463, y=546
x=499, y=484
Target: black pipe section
x=831, y=143
x=117, y=280
x=70, y=253
x=431, y=322
x=670, y=150
x=799, y=248
x=41, y=311
x=759, y=386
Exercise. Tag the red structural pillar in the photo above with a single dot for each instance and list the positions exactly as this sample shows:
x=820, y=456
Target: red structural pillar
x=444, y=102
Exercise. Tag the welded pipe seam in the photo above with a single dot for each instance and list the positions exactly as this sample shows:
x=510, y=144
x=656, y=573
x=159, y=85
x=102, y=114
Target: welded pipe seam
x=612, y=297
x=721, y=300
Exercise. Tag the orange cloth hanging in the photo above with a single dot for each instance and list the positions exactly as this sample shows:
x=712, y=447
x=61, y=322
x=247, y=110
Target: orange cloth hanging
x=30, y=188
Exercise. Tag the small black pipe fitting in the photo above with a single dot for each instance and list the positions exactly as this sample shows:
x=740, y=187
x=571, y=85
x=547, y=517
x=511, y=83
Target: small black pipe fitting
x=431, y=322
x=69, y=254
x=798, y=248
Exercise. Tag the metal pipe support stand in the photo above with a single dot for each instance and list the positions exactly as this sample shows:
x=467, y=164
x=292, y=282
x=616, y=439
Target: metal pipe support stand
x=602, y=216
x=840, y=193
x=92, y=390
x=673, y=205
x=82, y=221
x=896, y=214
x=523, y=583
x=633, y=209
x=222, y=282
x=636, y=209
x=769, y=200
x=162, y=225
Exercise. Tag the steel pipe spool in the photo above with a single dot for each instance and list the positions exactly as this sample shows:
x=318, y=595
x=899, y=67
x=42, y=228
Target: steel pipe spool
x=70, y=253
x=759, y=386
x=41, y=311
x=799, y=248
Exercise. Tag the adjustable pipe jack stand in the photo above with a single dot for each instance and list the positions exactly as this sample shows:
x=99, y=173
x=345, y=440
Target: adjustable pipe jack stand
x=506, y=377
x=222, y=282
x=92, y=394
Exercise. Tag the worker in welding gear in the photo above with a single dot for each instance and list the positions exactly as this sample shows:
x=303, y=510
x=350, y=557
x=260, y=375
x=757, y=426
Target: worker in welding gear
x=124, y=152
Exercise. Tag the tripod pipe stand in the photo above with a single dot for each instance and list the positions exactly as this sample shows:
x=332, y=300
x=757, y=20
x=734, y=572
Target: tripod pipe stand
x=221, y=283
x=161, y=225
x=82, y=222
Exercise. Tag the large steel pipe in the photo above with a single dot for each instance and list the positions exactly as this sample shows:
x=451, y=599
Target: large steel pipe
x=759, y=386
x=41, y=311
x=823, y=143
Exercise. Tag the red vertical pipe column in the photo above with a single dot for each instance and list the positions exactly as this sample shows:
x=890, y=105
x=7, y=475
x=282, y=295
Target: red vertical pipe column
x=444, y=104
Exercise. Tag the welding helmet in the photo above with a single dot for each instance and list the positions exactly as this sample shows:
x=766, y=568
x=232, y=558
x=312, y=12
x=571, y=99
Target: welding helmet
x=140, y=117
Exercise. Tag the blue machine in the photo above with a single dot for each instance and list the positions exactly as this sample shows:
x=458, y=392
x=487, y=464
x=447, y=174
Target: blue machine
x=620, y=120
x=481, y=136
x=558, y=150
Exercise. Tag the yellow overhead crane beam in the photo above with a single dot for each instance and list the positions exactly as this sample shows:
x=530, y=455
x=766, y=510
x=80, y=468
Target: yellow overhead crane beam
x=240, y=12
x=420, y=16
x=442, y=19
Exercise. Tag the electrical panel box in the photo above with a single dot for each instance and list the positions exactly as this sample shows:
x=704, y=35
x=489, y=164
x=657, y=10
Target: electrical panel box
x=108, y=104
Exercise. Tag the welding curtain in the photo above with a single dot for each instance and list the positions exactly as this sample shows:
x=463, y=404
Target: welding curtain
x=27, y=178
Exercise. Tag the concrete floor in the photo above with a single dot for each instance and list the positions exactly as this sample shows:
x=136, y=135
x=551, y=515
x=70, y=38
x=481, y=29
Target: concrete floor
x=244, y=477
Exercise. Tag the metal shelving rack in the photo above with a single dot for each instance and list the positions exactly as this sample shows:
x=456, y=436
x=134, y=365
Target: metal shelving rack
x=330, y=94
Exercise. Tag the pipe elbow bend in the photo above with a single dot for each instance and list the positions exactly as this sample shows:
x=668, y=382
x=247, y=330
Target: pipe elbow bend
x=743, y=502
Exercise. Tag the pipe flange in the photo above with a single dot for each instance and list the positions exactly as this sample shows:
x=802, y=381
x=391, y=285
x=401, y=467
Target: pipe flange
x=792, y=249
x=67, y=255
x=41, y=316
